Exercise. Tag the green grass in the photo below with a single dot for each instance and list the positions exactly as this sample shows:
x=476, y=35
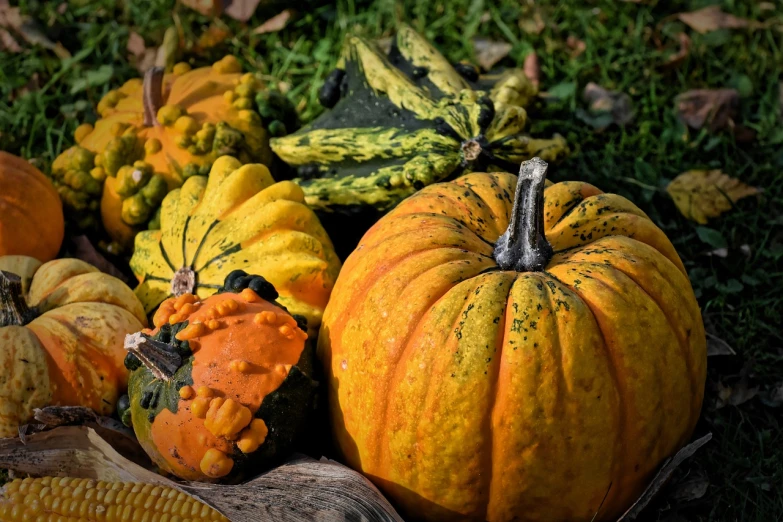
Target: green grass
x=625, y=45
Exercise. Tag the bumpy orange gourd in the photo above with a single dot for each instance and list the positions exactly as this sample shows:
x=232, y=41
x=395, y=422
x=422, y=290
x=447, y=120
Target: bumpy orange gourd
x=62, y=326
x=156, y=133
x=221, y=385
x=31, y=214
x=480, y=373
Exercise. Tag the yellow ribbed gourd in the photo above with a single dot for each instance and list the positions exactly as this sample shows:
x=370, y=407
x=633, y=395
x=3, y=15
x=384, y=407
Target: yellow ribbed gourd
x=64, y=499
x=237, y=219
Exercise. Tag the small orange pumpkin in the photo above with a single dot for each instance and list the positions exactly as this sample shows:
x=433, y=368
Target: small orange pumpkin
x=31, y=213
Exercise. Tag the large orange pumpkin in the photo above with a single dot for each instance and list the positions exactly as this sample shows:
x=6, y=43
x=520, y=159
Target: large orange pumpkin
x=61, y=330
x=31, y=214
x=497, y=351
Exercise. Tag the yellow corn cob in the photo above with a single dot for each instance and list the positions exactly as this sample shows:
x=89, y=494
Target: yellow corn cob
x=56, y=499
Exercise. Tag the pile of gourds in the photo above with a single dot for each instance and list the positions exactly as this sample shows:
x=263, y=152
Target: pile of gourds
x=497, y=347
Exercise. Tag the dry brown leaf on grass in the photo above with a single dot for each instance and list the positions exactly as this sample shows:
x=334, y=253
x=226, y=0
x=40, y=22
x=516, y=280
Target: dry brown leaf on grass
x=576, y=45
x=241, y=10
x=532, y=24
x=205, y=7
x=717, y=346
x=712, y=18
x=704, y=194
x=489, y=52
x=713, y=108
x=681, y=55
x=734, y=395
x=662, y=477
x=8, y=43
x=28, y=29
x=276, y=23
x=691, y=488
x=532, y=68
x=605, y=107
x=136, y=45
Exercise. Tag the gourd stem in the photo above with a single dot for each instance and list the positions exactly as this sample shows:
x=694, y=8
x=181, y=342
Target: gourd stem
x=524, y=247
x=157, y=356
x=13, y=308
x=183, y=282
x=152, y=95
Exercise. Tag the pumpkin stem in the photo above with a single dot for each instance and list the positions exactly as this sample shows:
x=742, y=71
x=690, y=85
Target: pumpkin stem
x=13, y=308
x=156, y=355
x=524, y=247
x=184, y=281
x=471, y=149
x=152, y=95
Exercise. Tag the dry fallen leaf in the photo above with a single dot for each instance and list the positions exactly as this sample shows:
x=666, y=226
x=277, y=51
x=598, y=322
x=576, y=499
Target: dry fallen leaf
x=605, y=107
x=241, y=10
x=214, y=35
x=712, y=18
x=704, y=194
x=681, y=55
x=205, y=7
x=715, y=108
x=532, y=24
x=717, y=346
x=774, y=397
x=29, y=30
x=8, y=43
x=576, y=45
x=692, y=488
x=532, y=69
x=276, y=23
x=136, y=46
x=734, y=395
x=663, y=476
x=489, y=52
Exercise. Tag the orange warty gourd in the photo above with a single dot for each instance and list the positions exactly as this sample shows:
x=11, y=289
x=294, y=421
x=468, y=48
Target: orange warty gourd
x=61, y=330
x=221, y=385
x=31, y=214
x=500, y=351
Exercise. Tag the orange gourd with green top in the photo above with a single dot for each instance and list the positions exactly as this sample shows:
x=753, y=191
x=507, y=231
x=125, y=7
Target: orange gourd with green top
x=222, y=385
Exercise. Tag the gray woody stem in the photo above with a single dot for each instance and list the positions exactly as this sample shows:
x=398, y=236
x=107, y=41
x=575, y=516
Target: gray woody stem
x=155, y=355
x=524, y=247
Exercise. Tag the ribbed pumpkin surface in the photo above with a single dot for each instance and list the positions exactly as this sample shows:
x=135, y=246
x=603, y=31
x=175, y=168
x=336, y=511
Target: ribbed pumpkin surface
x=31, y=214
x=467, y=392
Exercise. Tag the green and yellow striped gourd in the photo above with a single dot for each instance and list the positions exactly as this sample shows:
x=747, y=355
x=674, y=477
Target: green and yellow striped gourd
x=402, y=121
